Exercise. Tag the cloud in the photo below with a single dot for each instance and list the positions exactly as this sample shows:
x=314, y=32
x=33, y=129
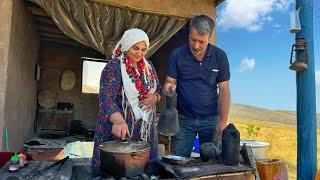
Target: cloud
x=247, y=64
x=279, y=28
x=283, y=5
x=317, y=73
x=249, y=14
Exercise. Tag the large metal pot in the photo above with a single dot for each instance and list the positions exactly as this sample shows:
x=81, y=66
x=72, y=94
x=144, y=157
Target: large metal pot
x=124, y=159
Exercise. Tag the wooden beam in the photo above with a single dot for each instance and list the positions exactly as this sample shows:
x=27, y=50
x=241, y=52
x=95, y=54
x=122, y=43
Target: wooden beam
x=50, y=29
x=177, y=8
x=46, y=34
x=45, y=20
x=37, y=11
x=68, y=42
x=31, y=3
x=306, y=96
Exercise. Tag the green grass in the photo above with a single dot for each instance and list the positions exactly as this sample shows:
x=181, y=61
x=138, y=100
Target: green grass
x=282, y=139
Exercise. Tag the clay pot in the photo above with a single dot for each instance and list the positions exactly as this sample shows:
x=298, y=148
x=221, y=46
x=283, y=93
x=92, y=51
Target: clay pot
x=208, y=151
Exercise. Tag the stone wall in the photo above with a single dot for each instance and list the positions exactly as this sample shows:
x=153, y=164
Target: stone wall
x=54, y=59
x=21, y=87
x=5, y=21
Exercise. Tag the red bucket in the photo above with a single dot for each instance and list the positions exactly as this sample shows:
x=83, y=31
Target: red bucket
x=5, y=157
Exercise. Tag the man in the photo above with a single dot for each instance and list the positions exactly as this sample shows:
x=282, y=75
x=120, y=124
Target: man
x=197, y=71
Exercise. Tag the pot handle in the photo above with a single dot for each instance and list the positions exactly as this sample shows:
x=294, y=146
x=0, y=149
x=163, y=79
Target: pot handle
x=134, y=156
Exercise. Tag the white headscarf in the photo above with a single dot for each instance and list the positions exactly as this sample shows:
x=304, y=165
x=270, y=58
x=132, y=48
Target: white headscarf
x=129, y=38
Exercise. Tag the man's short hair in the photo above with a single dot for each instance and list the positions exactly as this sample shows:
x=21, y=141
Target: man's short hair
x=203, y=24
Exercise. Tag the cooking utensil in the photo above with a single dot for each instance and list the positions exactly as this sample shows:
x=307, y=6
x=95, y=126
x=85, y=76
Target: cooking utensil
x=61, y=162
x=124, y=159
x=168, y=124
x=172, y=159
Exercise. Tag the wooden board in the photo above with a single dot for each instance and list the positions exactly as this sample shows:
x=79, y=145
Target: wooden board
x=205, y=169
x=29, y=172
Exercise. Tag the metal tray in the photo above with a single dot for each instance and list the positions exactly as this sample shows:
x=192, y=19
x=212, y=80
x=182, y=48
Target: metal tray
x=172, y=159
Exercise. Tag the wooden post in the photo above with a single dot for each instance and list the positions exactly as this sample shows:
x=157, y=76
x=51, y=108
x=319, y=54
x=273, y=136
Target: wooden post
x=306, y=104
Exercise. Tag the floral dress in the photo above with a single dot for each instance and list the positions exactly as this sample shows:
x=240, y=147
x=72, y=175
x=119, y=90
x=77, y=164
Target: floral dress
x=110, y=101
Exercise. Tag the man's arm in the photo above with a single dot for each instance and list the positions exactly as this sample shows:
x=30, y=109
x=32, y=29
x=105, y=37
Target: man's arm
x=169, y=85
x=224, y=106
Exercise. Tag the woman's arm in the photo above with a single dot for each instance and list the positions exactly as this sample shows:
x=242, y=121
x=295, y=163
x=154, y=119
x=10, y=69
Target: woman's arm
x=110, y=85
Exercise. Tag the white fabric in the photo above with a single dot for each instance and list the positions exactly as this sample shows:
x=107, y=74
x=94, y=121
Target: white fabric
x=132, y=96
x=129, y=38
x=132, y=93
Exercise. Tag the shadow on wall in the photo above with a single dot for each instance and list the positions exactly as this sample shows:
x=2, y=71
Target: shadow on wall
x=160, y=58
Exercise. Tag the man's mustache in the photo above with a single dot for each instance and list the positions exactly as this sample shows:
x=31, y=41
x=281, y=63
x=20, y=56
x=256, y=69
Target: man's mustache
x=196, y=50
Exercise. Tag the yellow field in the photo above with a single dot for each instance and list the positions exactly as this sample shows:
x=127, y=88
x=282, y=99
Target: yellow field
x=282, y=139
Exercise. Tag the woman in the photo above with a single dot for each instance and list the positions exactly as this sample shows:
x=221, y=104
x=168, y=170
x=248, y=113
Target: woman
x=129, y=91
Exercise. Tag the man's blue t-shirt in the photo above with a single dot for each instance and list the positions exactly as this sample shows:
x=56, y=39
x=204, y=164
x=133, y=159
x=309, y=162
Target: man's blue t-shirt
x=197, y=95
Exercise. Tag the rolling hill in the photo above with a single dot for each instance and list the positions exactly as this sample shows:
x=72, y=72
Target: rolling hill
x=262, y=114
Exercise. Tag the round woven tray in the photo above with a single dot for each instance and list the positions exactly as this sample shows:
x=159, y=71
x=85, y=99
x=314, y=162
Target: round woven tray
x=47, y=99
x=68, y=80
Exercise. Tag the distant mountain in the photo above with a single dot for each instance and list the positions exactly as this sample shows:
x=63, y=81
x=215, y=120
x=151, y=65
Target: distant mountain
x=262, y=114
x=89, y=89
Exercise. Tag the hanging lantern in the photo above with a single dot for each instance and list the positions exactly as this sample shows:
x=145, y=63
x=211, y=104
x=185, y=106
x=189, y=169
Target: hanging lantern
x=299, y=56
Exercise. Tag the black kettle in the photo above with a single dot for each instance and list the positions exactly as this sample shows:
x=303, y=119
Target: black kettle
x=230, y=145
x=168, y=124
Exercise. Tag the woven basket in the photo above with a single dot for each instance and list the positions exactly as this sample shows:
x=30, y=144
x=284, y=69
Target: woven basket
x=68, y=80
x=47, y=99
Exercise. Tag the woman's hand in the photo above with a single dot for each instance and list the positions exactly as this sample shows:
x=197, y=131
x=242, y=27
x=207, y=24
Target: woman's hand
x=149, y=102
x=120, y=129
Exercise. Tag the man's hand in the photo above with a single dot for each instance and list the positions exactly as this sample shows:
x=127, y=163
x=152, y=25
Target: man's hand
x=224, y=106
x=120, y=130
x=219, y=128
x=169, y=85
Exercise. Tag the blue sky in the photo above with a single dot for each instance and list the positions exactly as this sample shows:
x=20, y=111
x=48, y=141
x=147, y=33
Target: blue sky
x=255, y=35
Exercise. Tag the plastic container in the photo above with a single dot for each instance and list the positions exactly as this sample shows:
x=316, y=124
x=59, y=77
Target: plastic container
x=196, y=145
x=14, y=164
x=295, y=25
x=259, y=148
x=272, y=169
x=317, y=177
x=22, y=160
